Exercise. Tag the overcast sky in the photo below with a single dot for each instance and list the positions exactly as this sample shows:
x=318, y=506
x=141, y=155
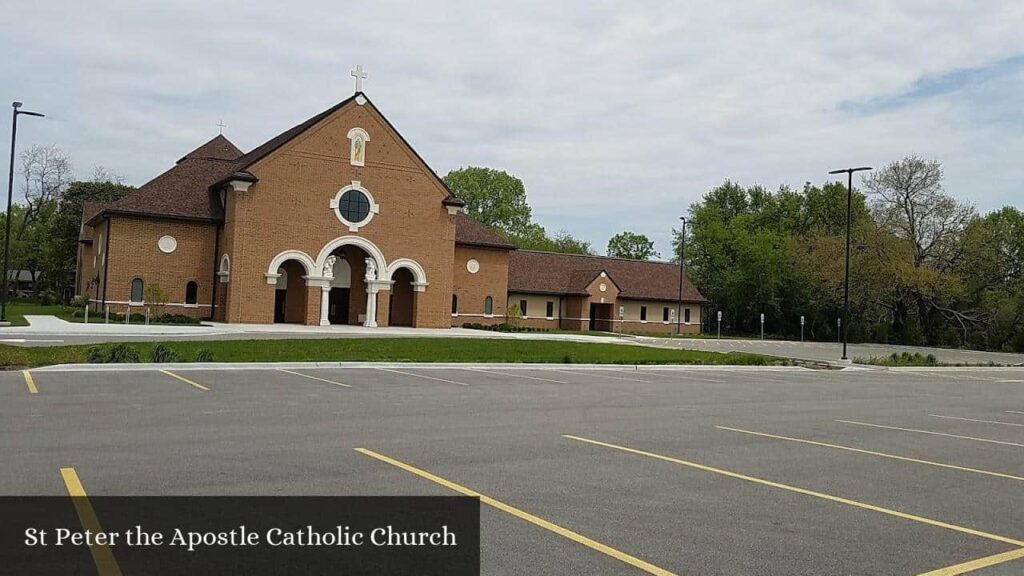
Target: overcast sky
x=616, y=115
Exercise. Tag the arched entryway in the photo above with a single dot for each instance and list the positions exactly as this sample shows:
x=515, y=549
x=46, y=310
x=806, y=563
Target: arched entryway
x=290, y=293
x=402, y=305
x=346, y=301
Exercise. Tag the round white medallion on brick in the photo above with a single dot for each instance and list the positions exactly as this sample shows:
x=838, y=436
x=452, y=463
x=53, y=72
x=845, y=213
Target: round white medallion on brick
x=603, y=287
x=167, y=244
x=472, y=266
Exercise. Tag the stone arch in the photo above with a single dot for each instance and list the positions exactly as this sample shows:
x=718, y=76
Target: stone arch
x=418, y=274
x=367, y=246
x=297, y=255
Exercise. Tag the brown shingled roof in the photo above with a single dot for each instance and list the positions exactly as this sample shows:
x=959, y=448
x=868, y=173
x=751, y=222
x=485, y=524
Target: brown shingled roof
x=90, y=208
x=184, y=191
x=469, y=232
x=553, y=273
x=219, y=148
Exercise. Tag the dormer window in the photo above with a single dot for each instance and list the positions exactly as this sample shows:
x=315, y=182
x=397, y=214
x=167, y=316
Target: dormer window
x=357, y=152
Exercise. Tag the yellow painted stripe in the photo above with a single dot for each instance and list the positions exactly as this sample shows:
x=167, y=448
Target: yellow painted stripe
x=30, y=382
x=422, y=376
x=873, y=453
x=102, y=556
x=185, y=380
x=537, y=521
x=977, y=564
x=933, y=433
x=313, y=377
x=511, y=375
x=1017, y=424
x=803, y=491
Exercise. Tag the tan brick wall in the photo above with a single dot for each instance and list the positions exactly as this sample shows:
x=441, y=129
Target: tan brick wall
x=288, y=209
x=134, y=253
x=90, y=276
x=472, y=289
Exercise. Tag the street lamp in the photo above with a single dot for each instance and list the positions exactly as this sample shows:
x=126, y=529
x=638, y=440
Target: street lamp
x=846, y=279
x=682, y=255
x=17, y=111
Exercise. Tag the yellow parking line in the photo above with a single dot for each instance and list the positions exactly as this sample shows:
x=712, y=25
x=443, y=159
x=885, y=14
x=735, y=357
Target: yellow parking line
x=1018, y=424
x=422, y=376
x=873, y=453
x=535, y=520
x=185, y=380
x=990, y=441
x=102, y=556
x=977, y=564
x=803, y=491
x=514, y=375
x=30, y=382
x=313, y=377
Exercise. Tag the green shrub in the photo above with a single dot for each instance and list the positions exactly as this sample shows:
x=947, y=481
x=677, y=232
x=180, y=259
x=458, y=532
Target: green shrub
x=123, y=354
x=204, y=355
x=161, y=353
x=94, y=355
x=79, y=302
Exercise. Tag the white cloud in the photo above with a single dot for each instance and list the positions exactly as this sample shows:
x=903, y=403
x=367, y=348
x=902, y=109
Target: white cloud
x=615, y=115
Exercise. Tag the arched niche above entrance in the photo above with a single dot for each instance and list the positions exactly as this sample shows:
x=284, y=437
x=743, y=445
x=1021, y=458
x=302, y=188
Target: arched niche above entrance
x=342, y=274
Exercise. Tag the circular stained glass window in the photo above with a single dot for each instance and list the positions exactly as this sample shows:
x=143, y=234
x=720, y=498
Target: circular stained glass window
x=354, y=206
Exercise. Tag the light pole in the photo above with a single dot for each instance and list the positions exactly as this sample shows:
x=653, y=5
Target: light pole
x=10, y=192
x=682, y=264
x=846, y=278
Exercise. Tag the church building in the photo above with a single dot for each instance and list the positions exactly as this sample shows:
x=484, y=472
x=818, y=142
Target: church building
x=339, y=221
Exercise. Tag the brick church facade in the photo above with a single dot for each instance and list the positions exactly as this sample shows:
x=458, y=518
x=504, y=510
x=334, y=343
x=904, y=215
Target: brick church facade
x=339, y=221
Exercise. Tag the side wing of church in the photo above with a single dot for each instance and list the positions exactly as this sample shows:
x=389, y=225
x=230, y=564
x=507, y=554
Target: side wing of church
x=339, y=221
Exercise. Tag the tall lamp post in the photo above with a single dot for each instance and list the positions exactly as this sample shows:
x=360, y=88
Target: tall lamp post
x=682, y=264
x=846, y=277
x=17, y=111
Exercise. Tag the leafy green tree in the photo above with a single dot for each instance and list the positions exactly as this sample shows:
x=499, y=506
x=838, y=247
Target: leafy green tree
x=632, y=246
x=493, y=197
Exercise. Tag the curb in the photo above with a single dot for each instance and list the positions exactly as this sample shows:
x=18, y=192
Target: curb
x=141, y=367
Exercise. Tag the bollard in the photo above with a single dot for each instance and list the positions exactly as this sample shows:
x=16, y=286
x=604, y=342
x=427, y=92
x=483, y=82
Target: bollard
x=147, y=315
x=86, y=313
x=128, y=314
x=106, y=315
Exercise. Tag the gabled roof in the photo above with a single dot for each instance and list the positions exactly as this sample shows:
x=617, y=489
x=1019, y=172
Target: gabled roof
x=187, y=190
x=538, y=272
x=469, y=232
x=219, y=148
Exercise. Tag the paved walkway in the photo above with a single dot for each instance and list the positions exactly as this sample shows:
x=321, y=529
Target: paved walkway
x=50, y=330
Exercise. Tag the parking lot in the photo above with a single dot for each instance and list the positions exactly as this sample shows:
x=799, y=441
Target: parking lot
x=580, y=470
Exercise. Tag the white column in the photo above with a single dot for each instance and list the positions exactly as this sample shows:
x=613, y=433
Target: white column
x=325, y=304
x=371, y=307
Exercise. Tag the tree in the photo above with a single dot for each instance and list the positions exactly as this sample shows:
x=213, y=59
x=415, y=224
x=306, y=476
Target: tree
x=632, y=246
x=492, y=197
x=536, y=237
x=908, y=199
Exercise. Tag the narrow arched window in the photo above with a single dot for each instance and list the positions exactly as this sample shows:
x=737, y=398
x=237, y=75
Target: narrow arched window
x=192, y=293
x=488, y=305
x=455, y=304
x=137, y=290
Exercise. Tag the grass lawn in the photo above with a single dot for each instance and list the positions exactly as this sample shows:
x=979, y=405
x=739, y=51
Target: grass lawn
x=397, y=350
x=16, y=312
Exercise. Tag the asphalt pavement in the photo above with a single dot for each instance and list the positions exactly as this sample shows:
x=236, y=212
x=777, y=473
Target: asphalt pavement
x=680, y=470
